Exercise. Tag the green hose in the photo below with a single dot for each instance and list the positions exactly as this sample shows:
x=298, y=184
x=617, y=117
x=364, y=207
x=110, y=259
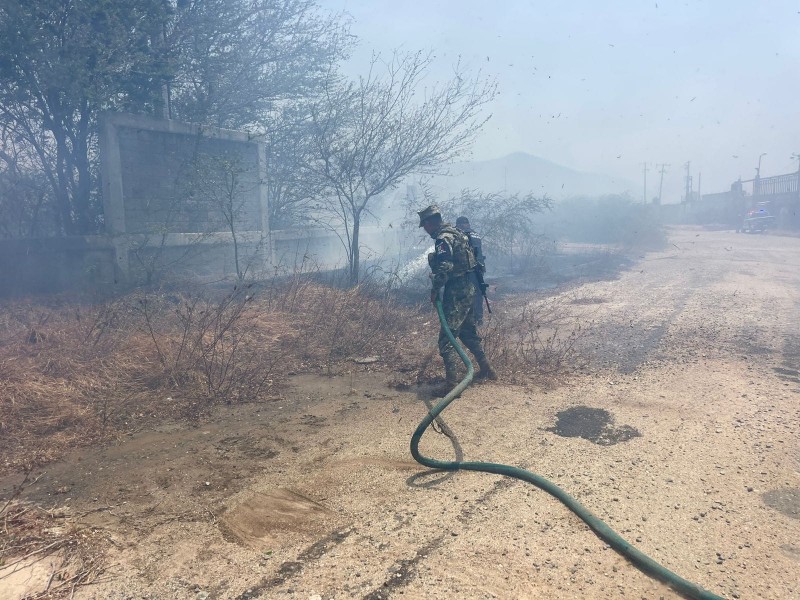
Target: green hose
x=603, y=531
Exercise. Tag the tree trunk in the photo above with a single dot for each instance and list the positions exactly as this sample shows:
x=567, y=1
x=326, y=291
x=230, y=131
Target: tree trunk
x=354, y=255
x=62, y=191
x=82, y=198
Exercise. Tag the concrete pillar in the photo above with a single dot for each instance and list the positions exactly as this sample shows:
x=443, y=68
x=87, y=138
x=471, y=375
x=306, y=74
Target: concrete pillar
x=263, y=196
x=113, y=206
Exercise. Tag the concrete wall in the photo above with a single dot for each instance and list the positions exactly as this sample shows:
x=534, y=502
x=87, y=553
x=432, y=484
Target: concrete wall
x=50, y=265
x=166, y=187
x=163, y=179
x=177, y=182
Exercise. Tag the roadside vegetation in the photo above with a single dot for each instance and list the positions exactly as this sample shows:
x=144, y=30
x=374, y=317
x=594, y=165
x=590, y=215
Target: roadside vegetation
x=74, y=373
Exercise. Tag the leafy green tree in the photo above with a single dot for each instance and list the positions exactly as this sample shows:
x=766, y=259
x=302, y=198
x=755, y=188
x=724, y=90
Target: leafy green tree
x=229, y=63
x=61, y=62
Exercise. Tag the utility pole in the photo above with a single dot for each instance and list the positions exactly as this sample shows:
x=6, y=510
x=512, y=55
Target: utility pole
x=644, y=198
x=699, y=183
x=757, y=182
x=661, y=182
x=688, y=193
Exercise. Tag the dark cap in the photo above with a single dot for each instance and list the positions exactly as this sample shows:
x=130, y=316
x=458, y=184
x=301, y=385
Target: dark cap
x=462, y=221
x=427, y=213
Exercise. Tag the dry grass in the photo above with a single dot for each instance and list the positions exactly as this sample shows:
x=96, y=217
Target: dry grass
x=32, y=534
x=537, y=336
x=76, y=374
x=527, y=338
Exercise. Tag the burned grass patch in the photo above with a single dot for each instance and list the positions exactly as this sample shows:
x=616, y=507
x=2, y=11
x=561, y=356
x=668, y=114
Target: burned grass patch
x=593, y=424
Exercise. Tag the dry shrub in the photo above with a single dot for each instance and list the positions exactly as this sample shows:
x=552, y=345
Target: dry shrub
x=535, y=337
x=59, y=370
x=218, y=347
x=75, y=374
x=339, y=325
x=525, y=337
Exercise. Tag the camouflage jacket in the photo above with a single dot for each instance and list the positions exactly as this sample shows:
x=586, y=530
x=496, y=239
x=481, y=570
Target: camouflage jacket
x=452, y=256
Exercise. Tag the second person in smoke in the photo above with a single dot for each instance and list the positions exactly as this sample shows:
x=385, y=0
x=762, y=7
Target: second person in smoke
x=475, y=242
x=451, y=262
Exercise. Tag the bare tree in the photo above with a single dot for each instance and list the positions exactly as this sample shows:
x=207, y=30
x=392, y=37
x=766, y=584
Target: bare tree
x=373, y=133
x=224, y=184
x=293, y=185
x=233, y=60
x=506, y=221
x=24, y=191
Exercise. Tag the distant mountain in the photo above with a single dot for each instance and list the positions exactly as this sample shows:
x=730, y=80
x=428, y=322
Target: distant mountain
x=521, y=172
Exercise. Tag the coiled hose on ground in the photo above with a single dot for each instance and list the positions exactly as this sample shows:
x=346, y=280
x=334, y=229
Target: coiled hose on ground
x=603, y=531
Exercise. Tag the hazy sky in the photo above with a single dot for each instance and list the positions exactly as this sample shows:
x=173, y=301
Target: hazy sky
x=606, y=86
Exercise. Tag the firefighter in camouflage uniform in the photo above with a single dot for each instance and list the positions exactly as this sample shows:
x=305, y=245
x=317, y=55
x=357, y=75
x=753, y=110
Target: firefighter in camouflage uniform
x=451, y=262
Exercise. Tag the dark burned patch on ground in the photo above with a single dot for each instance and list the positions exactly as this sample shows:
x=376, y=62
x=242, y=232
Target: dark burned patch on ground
x=750, y=348
x=791, y=348
x=595, y=264
x=785, y=501
x=593, y=424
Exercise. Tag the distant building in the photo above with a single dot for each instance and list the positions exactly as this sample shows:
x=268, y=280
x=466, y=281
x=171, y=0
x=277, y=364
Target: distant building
x=779, y=195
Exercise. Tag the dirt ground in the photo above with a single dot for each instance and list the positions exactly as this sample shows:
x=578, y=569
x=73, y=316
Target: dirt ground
x=693, y=353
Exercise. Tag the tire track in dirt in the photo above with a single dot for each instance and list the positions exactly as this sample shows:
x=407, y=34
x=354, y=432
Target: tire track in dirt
x=404, y=571
x=289, y=569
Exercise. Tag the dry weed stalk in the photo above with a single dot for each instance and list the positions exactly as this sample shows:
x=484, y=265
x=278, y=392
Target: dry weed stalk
x=535, y=337
x=211, y=341
x=31, y=534
x=75, y=374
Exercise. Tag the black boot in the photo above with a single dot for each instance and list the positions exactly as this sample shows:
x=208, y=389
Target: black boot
x=486, y=371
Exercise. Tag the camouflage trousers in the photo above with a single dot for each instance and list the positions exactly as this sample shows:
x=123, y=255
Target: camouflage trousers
x=477, y=303
x=457, y=304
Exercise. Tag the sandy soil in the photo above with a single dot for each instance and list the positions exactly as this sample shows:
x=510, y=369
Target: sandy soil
x=315, y=496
